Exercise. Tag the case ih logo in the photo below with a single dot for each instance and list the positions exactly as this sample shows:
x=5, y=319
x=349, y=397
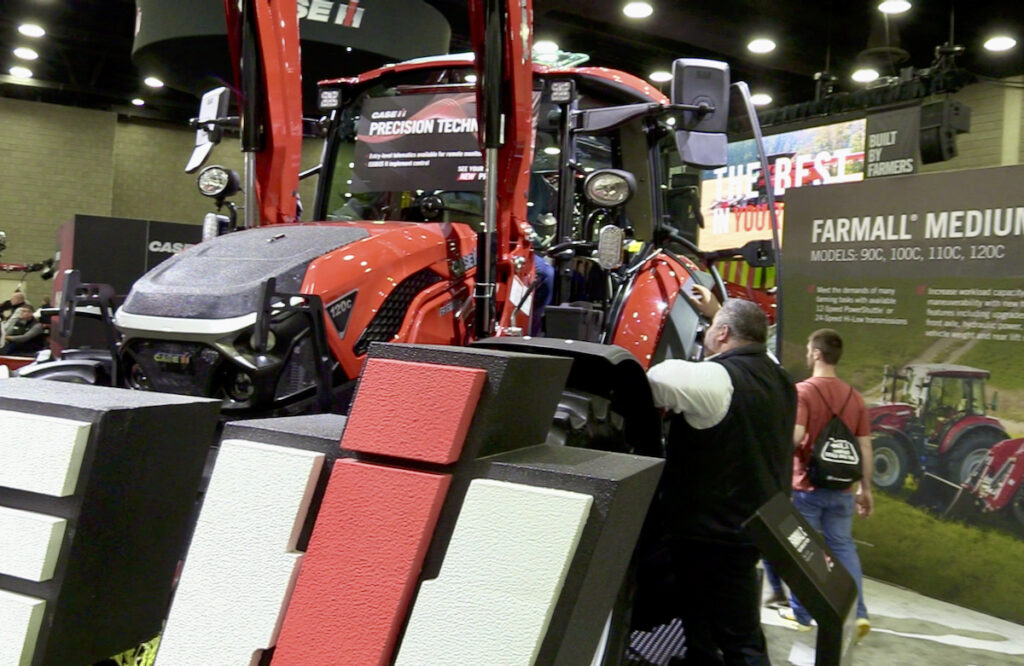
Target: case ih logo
x=328, y=11
x=173, y=358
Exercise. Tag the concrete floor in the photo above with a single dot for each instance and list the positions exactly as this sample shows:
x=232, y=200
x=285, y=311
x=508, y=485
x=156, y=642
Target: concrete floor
x=908, y=629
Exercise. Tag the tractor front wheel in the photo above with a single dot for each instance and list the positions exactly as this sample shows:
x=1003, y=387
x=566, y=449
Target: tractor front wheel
x=965, y=457
x=891, y=464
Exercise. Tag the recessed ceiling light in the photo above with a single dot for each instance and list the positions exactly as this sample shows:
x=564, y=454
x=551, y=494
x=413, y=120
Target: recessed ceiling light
x=545, y=46
x=1000, y=43
x=31, y=30
x=761, y=45
x=138, y=101
x=661, y=76
x=865, y=75
x=552, y=150
x=761, y=99
x=25, y=53
x=893, y=6
x=638, y=9
x=20, y=72
x=153, y=82
x=348, y=49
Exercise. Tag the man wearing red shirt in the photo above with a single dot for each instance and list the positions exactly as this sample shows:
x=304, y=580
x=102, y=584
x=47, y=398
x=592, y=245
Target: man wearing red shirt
x=830, y=511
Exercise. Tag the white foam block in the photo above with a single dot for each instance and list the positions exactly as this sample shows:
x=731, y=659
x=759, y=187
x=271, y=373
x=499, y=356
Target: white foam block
x=500, y=580
x=41, y=454
x=20, y=619
x=241, y=565
x=29, y=543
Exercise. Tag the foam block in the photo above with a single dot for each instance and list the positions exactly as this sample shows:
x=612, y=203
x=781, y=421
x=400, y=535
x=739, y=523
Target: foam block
x=507, y=560
x=29, y=544
x=21, y=616
x=362, y=565
x=41, y=454
x=418, y=411
x=241, y=564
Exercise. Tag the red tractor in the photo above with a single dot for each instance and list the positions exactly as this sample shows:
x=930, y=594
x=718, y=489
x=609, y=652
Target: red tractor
x=430, y=194
x=933, y=420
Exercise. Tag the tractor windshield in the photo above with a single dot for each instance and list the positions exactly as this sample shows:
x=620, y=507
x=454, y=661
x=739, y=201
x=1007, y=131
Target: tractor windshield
x=948, y=395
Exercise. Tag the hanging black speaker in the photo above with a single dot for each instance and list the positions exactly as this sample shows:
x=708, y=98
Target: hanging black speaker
x=940, y=123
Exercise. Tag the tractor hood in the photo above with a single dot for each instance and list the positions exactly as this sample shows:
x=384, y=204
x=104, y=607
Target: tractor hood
x=224, y=277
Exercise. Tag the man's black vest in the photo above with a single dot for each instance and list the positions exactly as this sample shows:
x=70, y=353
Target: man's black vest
x=718, y=477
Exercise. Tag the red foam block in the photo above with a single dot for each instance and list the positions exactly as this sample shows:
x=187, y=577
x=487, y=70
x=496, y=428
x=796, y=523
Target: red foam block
x=360, y=571
x=419, y=411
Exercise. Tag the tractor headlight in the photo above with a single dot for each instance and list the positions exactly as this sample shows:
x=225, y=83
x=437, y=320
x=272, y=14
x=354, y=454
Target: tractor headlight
x=217, y=181
x=609, y=187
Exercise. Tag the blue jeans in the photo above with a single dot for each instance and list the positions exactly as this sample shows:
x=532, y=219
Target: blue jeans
x=831, y=513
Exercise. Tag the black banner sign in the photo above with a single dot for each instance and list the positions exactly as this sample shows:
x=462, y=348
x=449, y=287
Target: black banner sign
x=426, y=142
x=892, y=142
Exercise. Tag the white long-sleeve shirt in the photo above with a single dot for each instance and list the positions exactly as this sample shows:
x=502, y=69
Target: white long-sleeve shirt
x=700, y=391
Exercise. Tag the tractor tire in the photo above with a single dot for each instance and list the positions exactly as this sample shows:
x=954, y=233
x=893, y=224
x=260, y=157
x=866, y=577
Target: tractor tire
x=967, y=455
x=891, y=464
x=587, y=421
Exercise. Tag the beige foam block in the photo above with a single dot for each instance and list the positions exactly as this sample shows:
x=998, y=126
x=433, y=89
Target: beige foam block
x=20, y=619
x=241, y=565
x=29, y=543
x=501, y=577
x=41, y=454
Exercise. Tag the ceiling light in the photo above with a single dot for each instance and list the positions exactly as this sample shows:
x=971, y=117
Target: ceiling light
x=893, y=6
x=661, y=76
x=545, y=46
x=153, y=82
x=865, y=75
x=1000, y=43
x=25, y=53
x=31, y=30
x=761, y=45
x=761, y=99
x=20, y=72
x=552, y=150
x=469, y=78
x=638, y=10
x=138, y=101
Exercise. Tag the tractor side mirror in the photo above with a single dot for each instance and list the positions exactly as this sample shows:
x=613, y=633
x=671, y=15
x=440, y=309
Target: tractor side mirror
x=702, y=88
x=995, y=401
x=212, y=107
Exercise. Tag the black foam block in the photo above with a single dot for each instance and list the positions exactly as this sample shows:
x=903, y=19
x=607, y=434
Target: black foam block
x=622, y=486
x=128, y=517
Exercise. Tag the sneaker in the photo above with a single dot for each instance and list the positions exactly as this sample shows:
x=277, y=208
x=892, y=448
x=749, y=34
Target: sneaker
x=777, y=600
x=863, y=627
x=789, y=620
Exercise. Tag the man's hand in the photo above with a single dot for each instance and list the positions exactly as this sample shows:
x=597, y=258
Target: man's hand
x=705, y=302
x=865, y=502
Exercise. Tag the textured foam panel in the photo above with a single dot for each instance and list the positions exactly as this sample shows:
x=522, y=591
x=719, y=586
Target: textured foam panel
x=434, y=403
x=362, y=565
x=506, y=563
x=518, y=398
x=18, y=630
x=97, y=486
x=29, y=544
x=241, y=563
x=41, y=454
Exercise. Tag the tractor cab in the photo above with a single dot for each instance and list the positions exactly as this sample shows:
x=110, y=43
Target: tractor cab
x=944, y=395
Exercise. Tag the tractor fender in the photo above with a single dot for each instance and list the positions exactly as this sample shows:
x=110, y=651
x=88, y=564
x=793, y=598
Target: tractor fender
x=913, y=456
x=971, y=425
x=608, y=371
